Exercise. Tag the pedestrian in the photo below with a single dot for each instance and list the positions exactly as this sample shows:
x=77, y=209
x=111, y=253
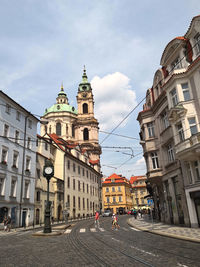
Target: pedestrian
x=5, y=223
x=8, y=224
x=96, y=219
x=115, y=224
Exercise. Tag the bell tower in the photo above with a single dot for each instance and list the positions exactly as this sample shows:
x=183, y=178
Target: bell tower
x=87, y=126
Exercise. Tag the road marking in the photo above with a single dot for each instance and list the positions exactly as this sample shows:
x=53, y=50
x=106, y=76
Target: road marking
x=68, y=231
x=135, y=229
x=93, y=230
x=101, y=229
x=82, y=230
x=141, y=250
x=115, y=239
x=23, y=233
x=182, y=265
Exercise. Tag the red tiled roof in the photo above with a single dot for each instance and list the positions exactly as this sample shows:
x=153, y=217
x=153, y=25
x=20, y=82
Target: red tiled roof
x=136, y=178
x=93, y=162
x=117, y=178
x=55, y=138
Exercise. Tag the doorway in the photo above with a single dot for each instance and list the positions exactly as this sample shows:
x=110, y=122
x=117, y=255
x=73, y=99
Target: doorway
x=197, y=206
x=24, y=213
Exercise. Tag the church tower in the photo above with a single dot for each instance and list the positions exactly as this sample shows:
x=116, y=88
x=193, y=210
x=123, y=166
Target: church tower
x=86, y=128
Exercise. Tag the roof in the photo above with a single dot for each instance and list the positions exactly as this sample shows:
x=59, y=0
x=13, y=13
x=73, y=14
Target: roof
x=14, y=102
x=61, y=108
x=137, y=178
x=194, y=18
x=117, y=179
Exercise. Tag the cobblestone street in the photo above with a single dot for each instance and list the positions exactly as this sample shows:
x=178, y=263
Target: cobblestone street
x=84, y=245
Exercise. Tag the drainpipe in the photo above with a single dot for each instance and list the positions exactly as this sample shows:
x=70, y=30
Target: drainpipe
x=23, y=163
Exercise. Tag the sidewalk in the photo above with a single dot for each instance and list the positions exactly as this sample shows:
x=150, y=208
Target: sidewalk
x=185, y=233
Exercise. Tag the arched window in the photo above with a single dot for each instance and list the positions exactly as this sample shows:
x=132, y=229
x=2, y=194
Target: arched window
x=50, y=129
x=73, y=131
x=58, y=128
x=85, y=134
x=85, y=108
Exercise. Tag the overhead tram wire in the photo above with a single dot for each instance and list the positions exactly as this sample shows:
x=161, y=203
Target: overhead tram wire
x=147, y=94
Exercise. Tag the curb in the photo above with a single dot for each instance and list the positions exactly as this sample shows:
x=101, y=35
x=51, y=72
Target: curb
x=164, y=234
x=53, y=233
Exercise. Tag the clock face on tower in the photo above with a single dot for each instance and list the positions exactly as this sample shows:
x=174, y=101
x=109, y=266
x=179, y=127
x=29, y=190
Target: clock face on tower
x=84, y=95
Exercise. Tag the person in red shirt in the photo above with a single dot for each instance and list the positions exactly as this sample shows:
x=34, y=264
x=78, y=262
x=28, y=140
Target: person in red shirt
x=96, y=219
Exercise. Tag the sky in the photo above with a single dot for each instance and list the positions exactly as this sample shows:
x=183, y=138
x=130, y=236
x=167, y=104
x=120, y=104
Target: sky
x=46, y=43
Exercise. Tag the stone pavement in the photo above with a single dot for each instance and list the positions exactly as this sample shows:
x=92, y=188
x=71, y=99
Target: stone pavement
x=185, y=233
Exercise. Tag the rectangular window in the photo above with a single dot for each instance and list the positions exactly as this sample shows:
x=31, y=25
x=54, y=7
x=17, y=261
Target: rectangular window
x=87, y=204
x=87, y=173
x=150, y=127
x=4, y=155
x=6, y=130
x=197, y=172
x=79, y=170
x=17, y=137
x=79, y=186
x=114, y=199
x=83, y=203
x=113, y=189
x=29, y=143
x=79, y=203
x=2, y=181
x=170, y=152
x=87, y=188
x=8, y=108
x=68, y=182
x=26, y=189
x=108, y=200
x=46, y=146
x=83, y=188
x=189, y=173
x=68, y=164
x=15, y=159
x=120, y=199
x=74, y=184
x=68, y=200
x=30, y=124
x=74, y=167
x=18, y=115
x=164, y=119
x=180, y=132
x=193, y=125
x=83, y=172
x=28, y=164
x=174, y=97
x=186, y=91
x=13, y=187
x=154, y=158
x=119, y=188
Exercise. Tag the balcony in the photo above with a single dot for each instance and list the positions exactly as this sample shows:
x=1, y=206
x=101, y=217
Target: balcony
x=189, y=149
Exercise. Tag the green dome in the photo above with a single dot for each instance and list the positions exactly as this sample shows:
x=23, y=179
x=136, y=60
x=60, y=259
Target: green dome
x=61, y=108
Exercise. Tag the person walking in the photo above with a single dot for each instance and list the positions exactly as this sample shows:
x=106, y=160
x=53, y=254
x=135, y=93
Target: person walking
x=5, y=223
x=115, y=224
x=96, y=219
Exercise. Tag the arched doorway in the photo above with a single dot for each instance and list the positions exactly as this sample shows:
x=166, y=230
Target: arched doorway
x=37, y=219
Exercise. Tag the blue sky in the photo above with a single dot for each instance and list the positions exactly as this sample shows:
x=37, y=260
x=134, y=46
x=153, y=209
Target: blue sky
x=44, y=43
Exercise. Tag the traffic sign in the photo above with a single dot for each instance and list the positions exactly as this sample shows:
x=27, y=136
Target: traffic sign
x=150, y=202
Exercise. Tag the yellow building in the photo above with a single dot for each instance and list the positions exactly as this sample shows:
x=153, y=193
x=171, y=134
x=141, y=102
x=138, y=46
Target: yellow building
x=139, y=191
x=116, y=193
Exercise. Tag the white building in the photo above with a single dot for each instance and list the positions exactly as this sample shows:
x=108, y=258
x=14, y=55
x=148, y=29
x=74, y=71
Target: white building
x=170, y=130
x=17, y=161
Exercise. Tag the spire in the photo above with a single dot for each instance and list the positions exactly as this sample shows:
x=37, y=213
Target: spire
x=62, y=88
x=84, y=77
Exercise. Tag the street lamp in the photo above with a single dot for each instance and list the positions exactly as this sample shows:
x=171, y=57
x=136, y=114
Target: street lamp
x=48, y=172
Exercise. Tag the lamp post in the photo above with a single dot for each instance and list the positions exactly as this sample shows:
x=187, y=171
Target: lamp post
x=48, y=172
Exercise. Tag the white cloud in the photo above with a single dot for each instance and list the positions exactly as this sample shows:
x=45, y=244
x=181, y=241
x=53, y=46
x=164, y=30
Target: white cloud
x=114, y=99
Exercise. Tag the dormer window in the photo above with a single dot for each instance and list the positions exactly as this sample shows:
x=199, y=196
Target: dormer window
x=197, y=43
x=176, y=64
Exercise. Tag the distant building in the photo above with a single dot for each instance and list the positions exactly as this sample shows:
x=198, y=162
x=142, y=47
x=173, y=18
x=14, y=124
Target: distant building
x=17, y=161
x=170, y=130
x=116, y=191
x=77, y=158
x=139, y=191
